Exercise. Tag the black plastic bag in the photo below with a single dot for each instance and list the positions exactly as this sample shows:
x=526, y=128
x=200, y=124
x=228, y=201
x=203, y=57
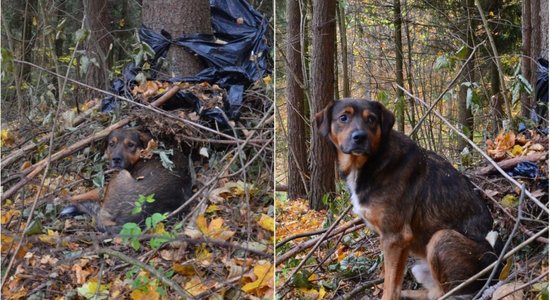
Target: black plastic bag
x=234, y=64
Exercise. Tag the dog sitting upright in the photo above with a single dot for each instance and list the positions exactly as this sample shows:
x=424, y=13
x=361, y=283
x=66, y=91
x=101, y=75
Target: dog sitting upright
x=136, y=176
x=415, y=200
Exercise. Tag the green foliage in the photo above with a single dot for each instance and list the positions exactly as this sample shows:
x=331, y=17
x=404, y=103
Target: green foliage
x=99, y=179
x=138, y=205
x=6, y=61
x=130, y=233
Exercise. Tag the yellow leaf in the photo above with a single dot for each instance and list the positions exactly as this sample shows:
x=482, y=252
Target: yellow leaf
x=195, y=286
x=202, y=225
x=506, y=270
x=150, y=293
x=267, y=222
x=202, y=254
x=6, y=138
x=212, y=208
x=264, y=278
x=184, y=269
x=8, y=215
x=159, y=229
x=49, y=238
x=517, y=150
x=268, y=79
x=322, y=293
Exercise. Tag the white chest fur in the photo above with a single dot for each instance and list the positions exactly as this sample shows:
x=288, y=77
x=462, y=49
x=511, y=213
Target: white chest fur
x=358, y=209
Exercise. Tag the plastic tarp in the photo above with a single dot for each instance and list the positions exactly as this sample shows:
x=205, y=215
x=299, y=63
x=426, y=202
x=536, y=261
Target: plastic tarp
x=234, y=64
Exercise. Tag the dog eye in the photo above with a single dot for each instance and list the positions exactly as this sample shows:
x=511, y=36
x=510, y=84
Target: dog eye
x=371, y=120
x=111, y=144
x=343, y=118
x=131, y=145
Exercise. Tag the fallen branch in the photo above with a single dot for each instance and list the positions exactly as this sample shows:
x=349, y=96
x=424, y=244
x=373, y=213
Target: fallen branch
x=316, y=232
x=19, y=153
x=353, y=294
x=510, y=163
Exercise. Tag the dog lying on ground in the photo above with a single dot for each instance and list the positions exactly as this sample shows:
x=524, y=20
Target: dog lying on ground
x=136, y=176
x=414, y=199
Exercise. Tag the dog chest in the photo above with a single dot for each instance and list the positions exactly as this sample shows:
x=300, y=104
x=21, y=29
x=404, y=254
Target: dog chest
x=361, y=210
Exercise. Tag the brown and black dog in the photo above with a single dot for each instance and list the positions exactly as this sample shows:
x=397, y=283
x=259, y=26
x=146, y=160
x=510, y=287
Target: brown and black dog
x=414, y=199
x=136, y=176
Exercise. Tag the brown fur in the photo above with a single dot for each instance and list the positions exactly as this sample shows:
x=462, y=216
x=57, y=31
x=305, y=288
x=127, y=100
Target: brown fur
x=136, y=177
x=416, y=201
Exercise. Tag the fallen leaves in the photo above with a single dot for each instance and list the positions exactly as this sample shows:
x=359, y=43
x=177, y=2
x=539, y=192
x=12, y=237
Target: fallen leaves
x=262, y=280
x=508, y=144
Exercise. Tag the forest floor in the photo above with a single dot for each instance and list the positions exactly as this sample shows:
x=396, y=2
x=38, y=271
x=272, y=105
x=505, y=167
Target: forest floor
x=348, y=263
x=223, y=248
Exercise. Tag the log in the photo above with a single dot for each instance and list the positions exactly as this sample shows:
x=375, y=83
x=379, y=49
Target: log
x=512, y=162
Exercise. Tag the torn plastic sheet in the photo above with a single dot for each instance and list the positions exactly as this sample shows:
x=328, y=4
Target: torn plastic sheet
x=236, y=55
x=526, y=169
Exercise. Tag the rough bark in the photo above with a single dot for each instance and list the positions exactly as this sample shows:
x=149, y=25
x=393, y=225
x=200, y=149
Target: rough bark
x=397, y=21
x=526, y=51
x=297, y=152
x=465, y=117
x=346, y=92
x=179, y=18
x=322, y=83
x=97, y=45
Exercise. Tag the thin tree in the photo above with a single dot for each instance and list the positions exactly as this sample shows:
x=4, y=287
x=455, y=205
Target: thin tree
x=297, y=152
x=397, y=22
x=465, y=117
x=179, y=18
x=322, y=82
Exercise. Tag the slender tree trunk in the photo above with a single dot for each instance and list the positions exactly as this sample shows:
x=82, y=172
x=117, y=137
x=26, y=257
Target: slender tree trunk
x=412, y=109
x=346, y=92
x=297, y=152
x=526, y=51
x=397, y=21
x=535, y=49
x=97, y=45
x=322, y=83
x=179, y=18
x=465, y=117
x=497, y=109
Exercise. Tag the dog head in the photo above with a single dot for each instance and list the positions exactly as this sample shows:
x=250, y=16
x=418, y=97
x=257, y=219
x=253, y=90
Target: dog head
x=355, y=126
x=124, y=147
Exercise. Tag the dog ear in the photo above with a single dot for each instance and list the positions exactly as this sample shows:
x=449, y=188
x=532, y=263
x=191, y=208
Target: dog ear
x=323, y=119
x=144, y=138
x=388, y=119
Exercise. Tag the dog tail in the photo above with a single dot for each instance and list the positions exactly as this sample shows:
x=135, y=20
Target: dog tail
x=90, y=208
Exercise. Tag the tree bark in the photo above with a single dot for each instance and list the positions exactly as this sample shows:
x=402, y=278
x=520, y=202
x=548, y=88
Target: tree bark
x=322, y=83
x=400, y=111
x=465, y=117
x=297, y=152
x=526, y=51
x=179, y=18
x=346, y=92
x=97, y=45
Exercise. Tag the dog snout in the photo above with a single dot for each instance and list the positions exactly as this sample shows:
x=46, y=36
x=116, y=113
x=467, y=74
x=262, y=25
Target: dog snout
x=116, y=162
x=358, y=136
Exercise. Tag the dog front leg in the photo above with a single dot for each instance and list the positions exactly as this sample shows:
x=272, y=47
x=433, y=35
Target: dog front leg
x=395, y=250
x=93, y=195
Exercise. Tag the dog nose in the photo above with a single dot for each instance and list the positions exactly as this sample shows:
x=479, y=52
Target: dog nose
x=358, y=136
x=116, y=160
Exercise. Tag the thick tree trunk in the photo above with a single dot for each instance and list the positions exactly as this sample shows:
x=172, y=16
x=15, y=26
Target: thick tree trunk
x=297, y=152
x=526, y=49
x=322, y=83
x=97, y=45
x=400, y=112
x=179, y=18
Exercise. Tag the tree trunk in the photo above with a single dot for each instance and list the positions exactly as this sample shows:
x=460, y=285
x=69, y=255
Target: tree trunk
x=526, y=49
x=322, y=83
x=400, y=112
x=97, y=45
x=179, y=18
x=346, y=92
x=297, y=152
x=465, y=117
x=543, y=13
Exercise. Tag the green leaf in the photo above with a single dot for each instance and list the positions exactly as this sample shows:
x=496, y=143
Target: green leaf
x=99, y=180
x=7, y=60
x=525, y=84
x=81, y=35
x=462, y=53
x=442, y=62
x=382, y=97
x=149, y=198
